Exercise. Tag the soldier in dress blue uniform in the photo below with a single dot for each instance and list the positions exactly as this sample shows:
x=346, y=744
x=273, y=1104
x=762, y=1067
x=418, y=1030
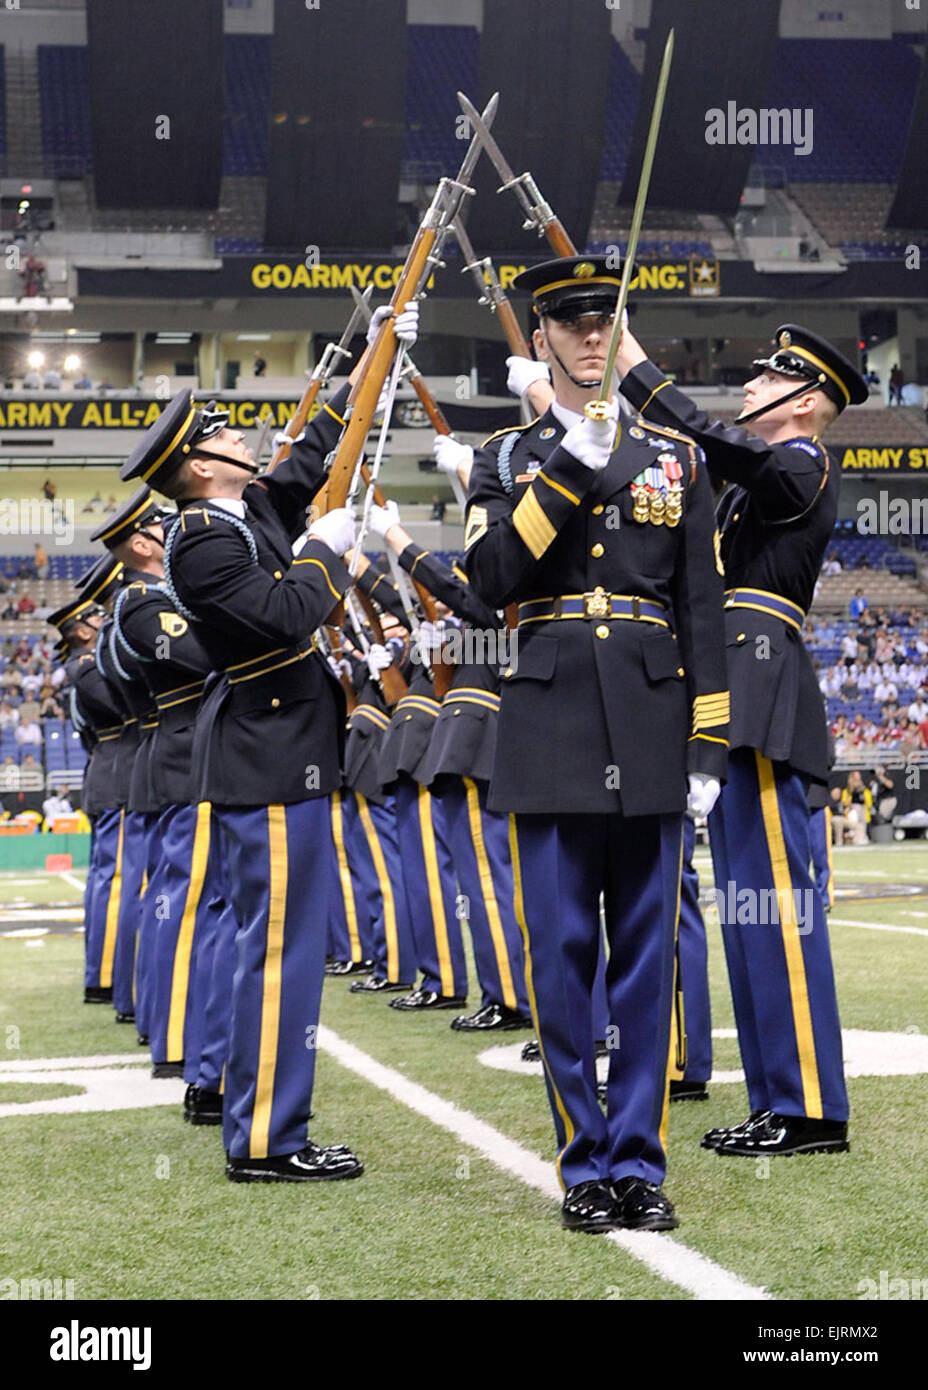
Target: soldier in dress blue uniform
x=97, y=716
x=613, y=719
x=776, y=520
x=183, y=898
x=229, y=572
x=457, y=771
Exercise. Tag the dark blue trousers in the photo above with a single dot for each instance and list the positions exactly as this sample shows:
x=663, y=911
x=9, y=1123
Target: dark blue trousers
x=561, y=865
x=101, y=899
x=820, y=845
x=278, y=873
x=479, y=843
x=136, y=825
x=431, y=889
x=215, y=968
x=344, y=934
x=375, y=853
x=694, y=967
x=175, y=908
x=776, y=942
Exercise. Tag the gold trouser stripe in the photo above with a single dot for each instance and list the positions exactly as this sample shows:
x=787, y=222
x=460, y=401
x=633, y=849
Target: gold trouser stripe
x=112, y=913
x=436, y=899
x=273, y=968
x=344, y=876
x=519, y=905
x=489, y=895
x=386, y=890
x=677, y=1047
x=828, y=847
x=792, y=943
x=532, y=524
x=183, y=949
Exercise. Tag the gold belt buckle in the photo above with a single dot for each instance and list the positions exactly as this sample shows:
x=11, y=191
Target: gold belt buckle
x=597, y=604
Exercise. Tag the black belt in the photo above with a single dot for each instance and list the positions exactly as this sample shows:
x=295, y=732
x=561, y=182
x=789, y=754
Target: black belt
x=269, y=661
x=595, y=605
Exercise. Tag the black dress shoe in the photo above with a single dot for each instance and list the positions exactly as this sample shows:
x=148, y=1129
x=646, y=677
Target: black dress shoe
x=642, y=1206
x=531, y=1052
x=590, y=1206
x=202, y=1107
x=786, y=1135
x=490, y=1016
x=376, y=984
x=349, y=967
x=314, y=1163
x=689, y=1090
x=428, y=999
x=125, y=1017
x=143, y=1039
x=713, y=1137
x=162, y=1071
x=98, y=994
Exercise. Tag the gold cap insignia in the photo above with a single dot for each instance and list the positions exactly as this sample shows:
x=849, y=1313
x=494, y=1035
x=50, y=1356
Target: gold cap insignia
x=785, y=339
x=584, y=270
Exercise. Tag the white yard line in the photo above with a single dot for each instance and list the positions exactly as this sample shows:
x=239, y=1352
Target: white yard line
x=663, y=1255
x=877, y=926
x=77, y=883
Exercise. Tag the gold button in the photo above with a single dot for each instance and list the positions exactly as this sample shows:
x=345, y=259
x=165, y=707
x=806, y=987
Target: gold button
x=741, y=636
x=602, y=630
x=679, y=670
x=278, y=574
x=507, y=673
x=408, y=717
x=598, y=509
x=597, y=550
x=275, y=703
x=736, y=516
x=456, y=713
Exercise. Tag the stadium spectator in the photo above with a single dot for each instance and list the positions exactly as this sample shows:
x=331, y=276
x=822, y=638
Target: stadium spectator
x=260, y=365
x=838, y=818
x=40, y=560
x=31, y=783
x=896, y=383
x=49, y=490
x=883, y=792
x=832, y=565
x=10, y=612
x=858, y=604
x=58, y=804
x=849, y=648
x=857, y=801
x=918, y=709
x=52, y=380
x=95, y=504
x=83, y=383
x=9, y=716
x=26, y=604
x=886, y=690
x=32, y=381
x=28, y=732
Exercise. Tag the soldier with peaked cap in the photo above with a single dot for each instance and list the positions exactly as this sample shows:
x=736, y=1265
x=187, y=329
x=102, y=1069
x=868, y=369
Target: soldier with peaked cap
x=775, y=521
x=228, y=569
x=613, y=719
x=97, y=716
x=182, y=876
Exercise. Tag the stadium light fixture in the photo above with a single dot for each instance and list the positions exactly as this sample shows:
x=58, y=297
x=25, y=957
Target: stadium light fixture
x=72, y=363
x=36, y=359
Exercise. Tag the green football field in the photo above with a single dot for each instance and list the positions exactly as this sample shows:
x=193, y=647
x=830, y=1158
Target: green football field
x=104, y=1185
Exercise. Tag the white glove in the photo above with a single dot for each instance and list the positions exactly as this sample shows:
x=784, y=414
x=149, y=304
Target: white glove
x=591, y=441
x=382, y=518
x=282, y=437
x=430, y=636
x=378, y=659
x=405, y=327
x=335, y=529
x=449, y=453
x=704, y=793
x=524, y=372
x=339, y=666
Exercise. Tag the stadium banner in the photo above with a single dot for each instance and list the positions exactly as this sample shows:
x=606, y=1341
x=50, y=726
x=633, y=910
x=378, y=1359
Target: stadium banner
x=248, y=277
x=880, y=458
x=134, y=413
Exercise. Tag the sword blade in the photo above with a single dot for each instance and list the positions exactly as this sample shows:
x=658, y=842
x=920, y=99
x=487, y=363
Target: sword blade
x=482, y=130
x=481, y=135
x=641, y=199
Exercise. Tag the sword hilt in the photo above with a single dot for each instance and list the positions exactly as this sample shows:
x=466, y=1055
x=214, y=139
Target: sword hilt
x=597, y=410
